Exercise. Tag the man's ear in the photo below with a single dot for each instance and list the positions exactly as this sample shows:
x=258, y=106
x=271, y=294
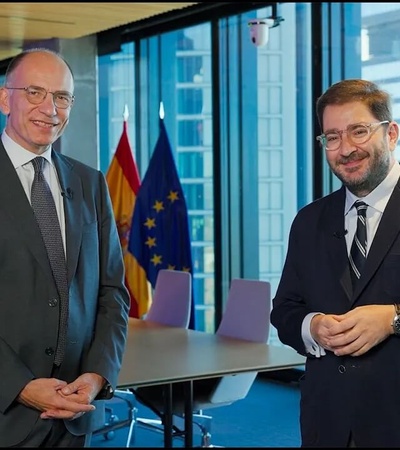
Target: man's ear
x=4, y=101
x=393, y=132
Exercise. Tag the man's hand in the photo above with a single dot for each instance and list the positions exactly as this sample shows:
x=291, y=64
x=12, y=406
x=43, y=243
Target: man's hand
x=82, y=391
x=355, y=332
x=43, y=395
x=320, y=327
x=360, y=329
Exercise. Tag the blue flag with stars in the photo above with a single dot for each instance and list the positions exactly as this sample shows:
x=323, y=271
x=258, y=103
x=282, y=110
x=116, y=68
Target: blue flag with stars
x=159, y=236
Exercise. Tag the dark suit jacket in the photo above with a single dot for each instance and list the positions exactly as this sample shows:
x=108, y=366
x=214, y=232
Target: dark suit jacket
x=339, y=394
x=99, y=302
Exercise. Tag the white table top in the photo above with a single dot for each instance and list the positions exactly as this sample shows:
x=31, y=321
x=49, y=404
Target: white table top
x=156, y=354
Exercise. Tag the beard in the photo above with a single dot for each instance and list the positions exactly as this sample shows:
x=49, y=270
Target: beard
x=363, y=181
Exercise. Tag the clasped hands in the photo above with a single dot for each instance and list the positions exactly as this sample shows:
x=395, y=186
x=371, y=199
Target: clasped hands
x=59, y=400
x=355, y=332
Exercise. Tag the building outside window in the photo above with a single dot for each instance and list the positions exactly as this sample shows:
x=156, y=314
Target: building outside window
x=241, y=123
x=238, y=146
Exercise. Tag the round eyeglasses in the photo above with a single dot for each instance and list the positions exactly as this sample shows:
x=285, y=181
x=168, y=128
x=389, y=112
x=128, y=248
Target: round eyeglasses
x=36, y=95
x=357, y=133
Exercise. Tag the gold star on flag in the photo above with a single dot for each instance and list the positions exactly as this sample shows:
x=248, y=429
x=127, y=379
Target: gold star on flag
x=173, y=196
x=158, y=206
x=150, y=242
x=150, y=223
x=156, y=259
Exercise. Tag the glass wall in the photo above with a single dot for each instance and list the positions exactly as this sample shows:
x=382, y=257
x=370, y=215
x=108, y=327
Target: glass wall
x=240, y=131
x=380, y=49
x=284, y=137
x=116, y=90
x=242, y=123
x=194, y=145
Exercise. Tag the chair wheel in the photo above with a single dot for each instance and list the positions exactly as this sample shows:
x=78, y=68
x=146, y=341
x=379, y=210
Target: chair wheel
x=111, y=434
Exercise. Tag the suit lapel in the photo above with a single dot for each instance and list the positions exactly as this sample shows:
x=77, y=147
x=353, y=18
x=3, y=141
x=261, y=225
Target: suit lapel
x=73, y=212
x=334, y=236
x=388, y=230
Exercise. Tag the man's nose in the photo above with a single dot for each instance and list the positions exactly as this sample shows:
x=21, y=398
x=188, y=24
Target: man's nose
x=48, y=106
x=346, y=146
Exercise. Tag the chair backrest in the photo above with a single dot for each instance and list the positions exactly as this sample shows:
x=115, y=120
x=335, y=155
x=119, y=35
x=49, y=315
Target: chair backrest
x=171, y=304
x=246, y=316
x=247, y=312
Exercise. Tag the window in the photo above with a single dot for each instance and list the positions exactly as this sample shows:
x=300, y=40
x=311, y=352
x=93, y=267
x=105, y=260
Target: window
x=239, y=119
x=380, y=47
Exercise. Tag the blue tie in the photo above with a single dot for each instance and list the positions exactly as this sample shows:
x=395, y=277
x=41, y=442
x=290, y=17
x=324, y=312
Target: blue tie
x=358, y=251
x=45, y=212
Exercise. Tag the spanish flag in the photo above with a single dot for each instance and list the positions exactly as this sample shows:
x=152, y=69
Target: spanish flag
x=123, y=183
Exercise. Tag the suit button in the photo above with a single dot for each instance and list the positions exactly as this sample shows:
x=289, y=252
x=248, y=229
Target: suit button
x=49, y=351
x=342, y=369
x=53, y=302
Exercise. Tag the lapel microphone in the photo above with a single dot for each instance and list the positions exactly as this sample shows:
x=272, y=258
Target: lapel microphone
x=68, y=193
x=340, y=234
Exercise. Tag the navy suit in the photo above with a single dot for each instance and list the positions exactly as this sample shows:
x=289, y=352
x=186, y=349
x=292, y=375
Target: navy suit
x=98, y=304
x=342, y=394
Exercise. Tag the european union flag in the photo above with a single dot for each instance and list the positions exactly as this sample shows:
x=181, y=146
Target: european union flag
x=159, y=235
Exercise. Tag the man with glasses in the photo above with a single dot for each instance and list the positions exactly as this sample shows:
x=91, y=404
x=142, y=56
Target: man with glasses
x=338, y=298
x=63, y=303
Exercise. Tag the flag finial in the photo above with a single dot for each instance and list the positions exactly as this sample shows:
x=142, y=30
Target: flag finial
x=162, y=110
x=126, y=112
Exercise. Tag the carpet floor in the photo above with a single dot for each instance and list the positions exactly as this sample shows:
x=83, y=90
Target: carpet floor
x=267, y=418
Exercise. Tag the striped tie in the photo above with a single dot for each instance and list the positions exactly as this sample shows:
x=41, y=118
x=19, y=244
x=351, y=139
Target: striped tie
x=358, y=252
x=45, y=212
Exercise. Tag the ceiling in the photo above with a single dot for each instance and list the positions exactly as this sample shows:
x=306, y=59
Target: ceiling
x=26, y=22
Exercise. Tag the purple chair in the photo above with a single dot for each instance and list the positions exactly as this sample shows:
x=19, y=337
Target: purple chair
x=172, y=295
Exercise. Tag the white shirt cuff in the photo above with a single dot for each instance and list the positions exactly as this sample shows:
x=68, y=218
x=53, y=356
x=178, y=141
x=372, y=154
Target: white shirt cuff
x=312, y=347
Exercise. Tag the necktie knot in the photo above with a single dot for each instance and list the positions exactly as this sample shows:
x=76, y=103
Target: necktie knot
x=38, y=164
x=361, y=207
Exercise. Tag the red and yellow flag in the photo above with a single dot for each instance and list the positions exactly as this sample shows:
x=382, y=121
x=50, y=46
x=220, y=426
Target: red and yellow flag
x=123, y=182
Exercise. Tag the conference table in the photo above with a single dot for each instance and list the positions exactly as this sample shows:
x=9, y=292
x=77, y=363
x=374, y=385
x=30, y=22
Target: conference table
x=161, y=355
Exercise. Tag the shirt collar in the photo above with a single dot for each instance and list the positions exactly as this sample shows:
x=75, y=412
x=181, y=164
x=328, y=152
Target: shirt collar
x=379, y=197
x=18, y=155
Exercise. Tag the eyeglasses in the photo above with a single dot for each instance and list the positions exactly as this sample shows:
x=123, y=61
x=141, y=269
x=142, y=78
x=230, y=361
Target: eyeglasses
x=36, y=95
x=357, y=133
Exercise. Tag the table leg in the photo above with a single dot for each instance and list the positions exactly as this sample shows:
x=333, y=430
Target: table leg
x=168, y=419
x=188, y=395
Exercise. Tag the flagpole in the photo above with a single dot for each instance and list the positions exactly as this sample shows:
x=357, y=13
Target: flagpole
x=126, y=113
x=161, y=111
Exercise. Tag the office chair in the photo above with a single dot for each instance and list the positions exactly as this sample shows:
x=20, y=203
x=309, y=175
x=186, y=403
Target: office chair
x=172, y=296
x=171, y=305
x=246, y=317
